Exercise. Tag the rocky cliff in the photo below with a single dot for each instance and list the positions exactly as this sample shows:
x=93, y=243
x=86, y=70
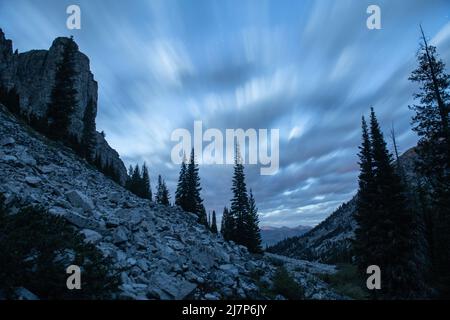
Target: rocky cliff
x=32, y=75
x=161, y=252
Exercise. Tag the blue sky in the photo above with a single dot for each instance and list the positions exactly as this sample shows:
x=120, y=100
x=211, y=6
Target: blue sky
x=307, y=68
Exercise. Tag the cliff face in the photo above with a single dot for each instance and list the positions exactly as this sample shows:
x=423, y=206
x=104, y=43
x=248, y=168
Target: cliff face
x=32, y=74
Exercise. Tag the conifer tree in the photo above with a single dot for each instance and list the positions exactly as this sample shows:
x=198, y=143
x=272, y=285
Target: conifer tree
x=227, y=226
x=239, y=202
x=386, y=224
x=145, y=186
x=214, y=222
x=431, y=124
x=194, y=202
x=181, y=192
x=202, y=218
x=252, y=228
x=63, y=99
x=162, y=194
x=366, y=198
x=135, y=182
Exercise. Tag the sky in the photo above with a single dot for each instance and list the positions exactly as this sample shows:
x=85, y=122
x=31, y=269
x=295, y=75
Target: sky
x=308, y=68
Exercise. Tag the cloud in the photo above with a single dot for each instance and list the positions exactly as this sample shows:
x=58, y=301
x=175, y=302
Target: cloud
x=310, y=69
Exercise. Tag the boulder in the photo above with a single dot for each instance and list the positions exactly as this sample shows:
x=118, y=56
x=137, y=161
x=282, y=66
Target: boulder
x=120, y=235
x=80, y=200
x=32, y=181
x=7, y=141
x=91, y=236
x=171, y=287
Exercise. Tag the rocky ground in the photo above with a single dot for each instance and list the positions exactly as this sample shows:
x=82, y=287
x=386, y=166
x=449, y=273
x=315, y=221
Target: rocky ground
x=162, y=252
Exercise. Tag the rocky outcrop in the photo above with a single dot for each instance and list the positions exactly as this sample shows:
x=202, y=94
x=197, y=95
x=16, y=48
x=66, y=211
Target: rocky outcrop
x=32, y=75
x=161, y=252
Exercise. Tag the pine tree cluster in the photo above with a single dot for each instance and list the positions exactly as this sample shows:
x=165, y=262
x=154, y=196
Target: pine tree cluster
x=138, y=181
x=240, y=223
x=396, y=217
x=187, y=195
x=386, y=225
x=431, y=123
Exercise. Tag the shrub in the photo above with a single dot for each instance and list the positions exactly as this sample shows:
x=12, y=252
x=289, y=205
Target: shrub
x=37, y=247
x=284, y=284
x=347, y=281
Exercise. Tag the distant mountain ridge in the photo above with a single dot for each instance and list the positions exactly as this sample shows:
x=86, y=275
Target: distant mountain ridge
x=271, y=235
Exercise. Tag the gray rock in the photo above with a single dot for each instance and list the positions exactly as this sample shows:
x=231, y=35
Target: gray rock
x=33, y=181
x=176, y=288
x=115, y=196
x=212, y=296
x=230, y=269
x=8, y=158
x=131, y=261
x=112, y=222
x=80, y=200
x=120, y=235
x=7, y=141
x=142, y=263
x=79, y=220
x=91, y=236
x=25, y=158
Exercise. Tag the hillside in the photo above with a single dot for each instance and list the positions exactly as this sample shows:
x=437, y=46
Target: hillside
x=161, y=252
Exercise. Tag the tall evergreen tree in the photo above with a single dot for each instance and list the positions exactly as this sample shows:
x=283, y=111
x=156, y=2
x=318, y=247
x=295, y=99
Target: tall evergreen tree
x=214, y=222
x=365, y=215
x=63, y=99
x=386, y=224
x=252, y=228
x=145, y=186
x=239, y=203
x=181, y=192
x=431, y=123
x=88, y=138
x=202, y=218
x=194, y=202
x=162, y=194
x=228, y=225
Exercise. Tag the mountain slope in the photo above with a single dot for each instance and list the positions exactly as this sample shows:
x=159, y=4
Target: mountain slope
x=161, y=252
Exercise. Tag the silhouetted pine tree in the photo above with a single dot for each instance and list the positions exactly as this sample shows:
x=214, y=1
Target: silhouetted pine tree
x=252, y=228
x=227, y=226
x=88, y=138
x=162, y=194
x=239, y=202
x=214, y=222
x=432, y=126
x=145, y=186
x=365, y=213
x=181, y=192
x=392, y=231
x=63, y=96
x=135, y=181
x=194, y=203
x=202, y=218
